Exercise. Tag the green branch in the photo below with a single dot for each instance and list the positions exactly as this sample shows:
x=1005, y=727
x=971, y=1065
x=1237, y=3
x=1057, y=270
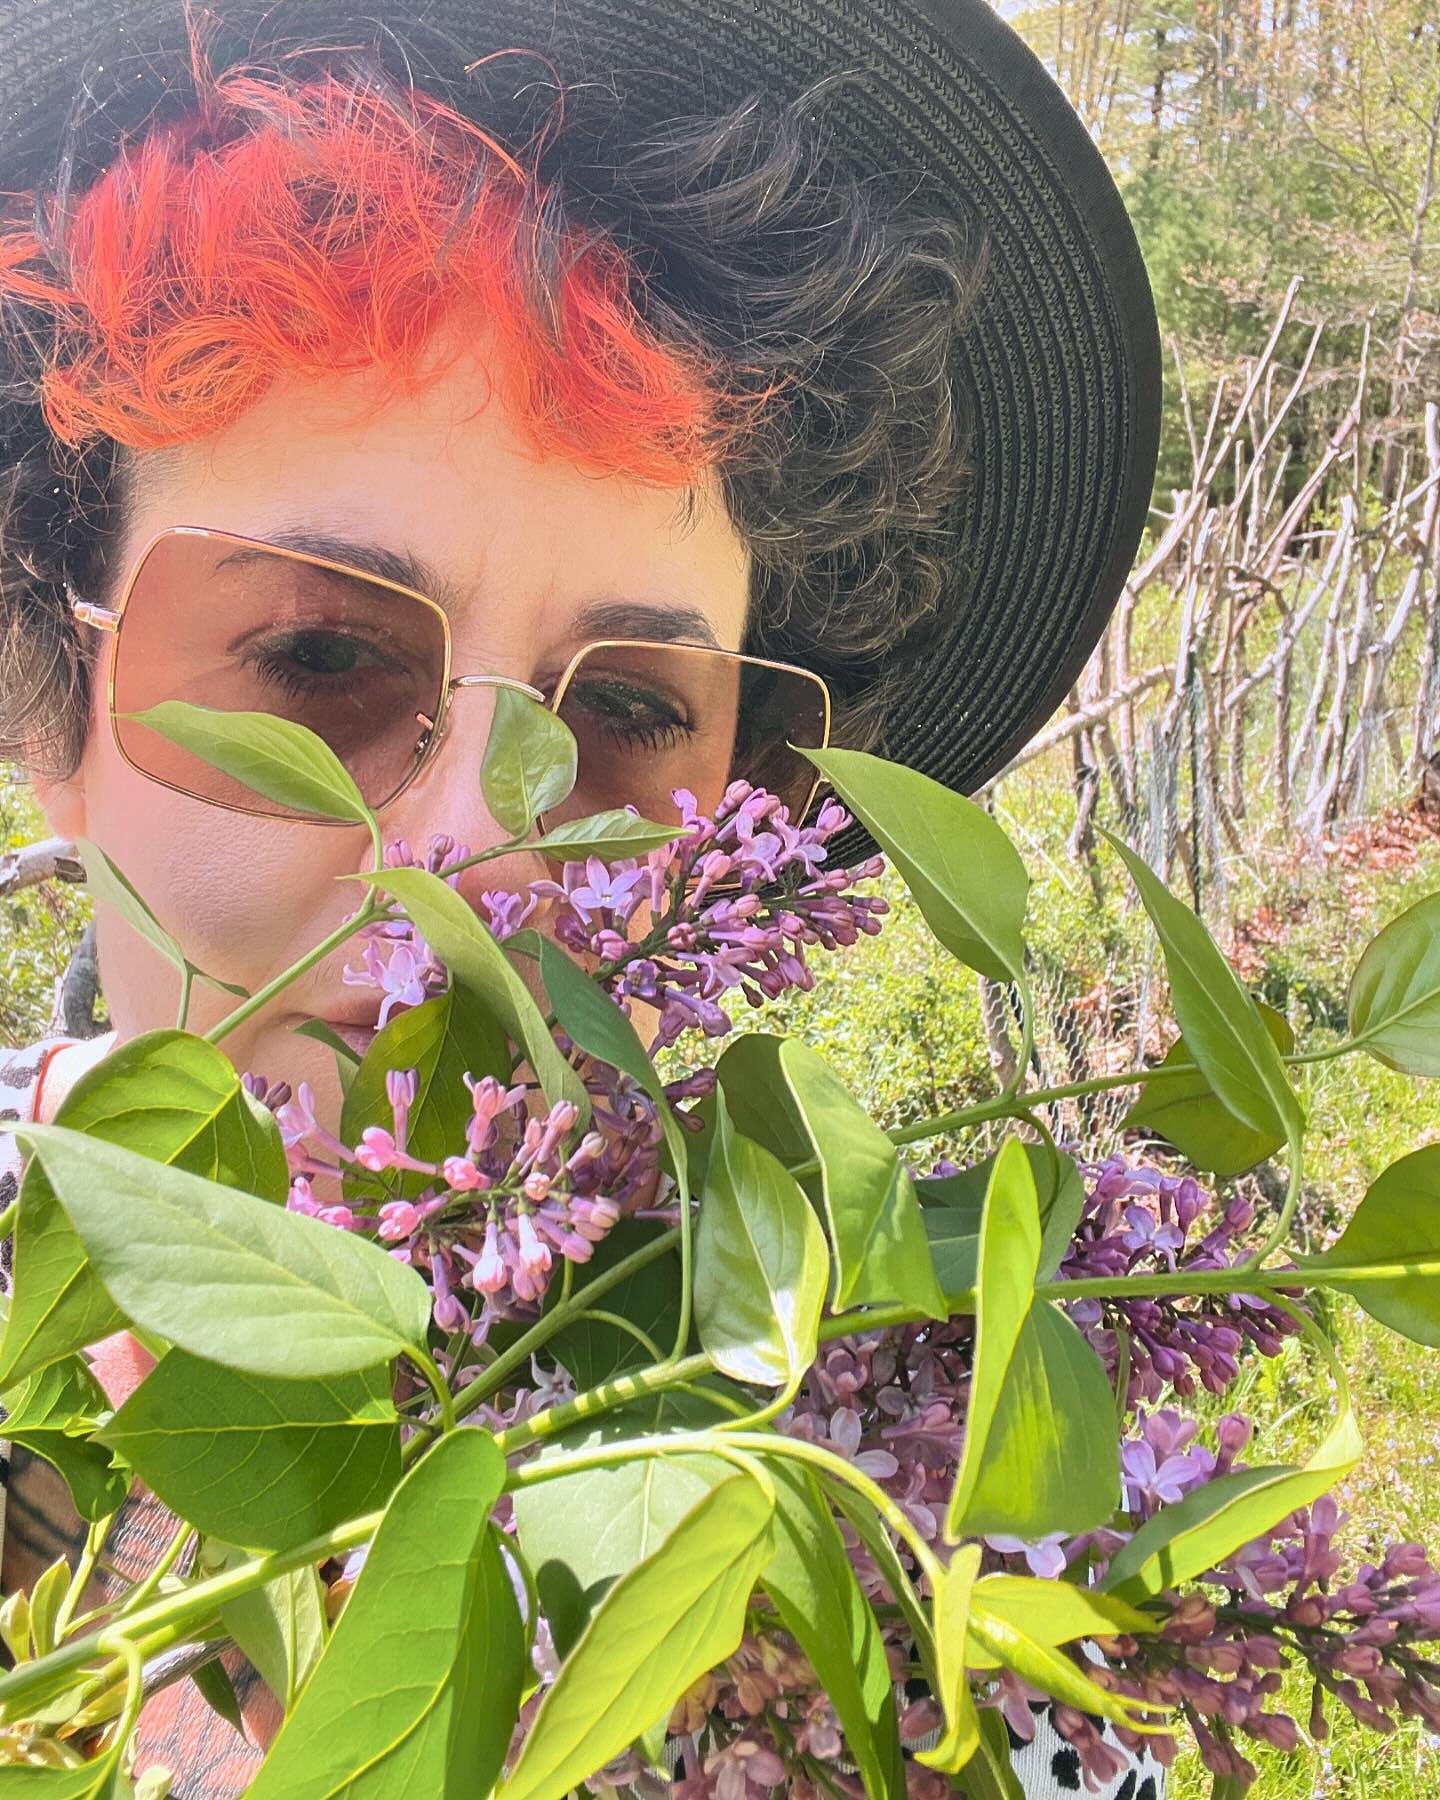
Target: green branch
x=520, y=1352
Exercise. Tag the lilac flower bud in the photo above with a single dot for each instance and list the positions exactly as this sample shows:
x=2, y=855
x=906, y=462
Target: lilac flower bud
x=534, y=1257
x=489, y=1274
x=398, y=1219
x=301, y=1199
x=462, y=1176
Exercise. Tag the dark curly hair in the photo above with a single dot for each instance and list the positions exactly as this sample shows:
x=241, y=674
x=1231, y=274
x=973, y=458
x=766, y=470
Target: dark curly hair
x=827, y=313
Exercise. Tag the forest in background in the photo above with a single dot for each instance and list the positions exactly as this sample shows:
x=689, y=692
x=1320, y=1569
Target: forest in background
x=1260, y=140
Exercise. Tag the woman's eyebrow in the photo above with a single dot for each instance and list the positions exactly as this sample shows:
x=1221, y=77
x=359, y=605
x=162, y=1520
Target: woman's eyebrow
x=641, y=619
x=400, y=567
x=618, y=618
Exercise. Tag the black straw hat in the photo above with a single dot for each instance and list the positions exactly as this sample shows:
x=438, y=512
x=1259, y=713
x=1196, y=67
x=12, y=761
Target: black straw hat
x=1061, y=357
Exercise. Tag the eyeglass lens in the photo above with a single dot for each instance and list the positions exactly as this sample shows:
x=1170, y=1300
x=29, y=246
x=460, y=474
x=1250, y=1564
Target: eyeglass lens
x=243, y=628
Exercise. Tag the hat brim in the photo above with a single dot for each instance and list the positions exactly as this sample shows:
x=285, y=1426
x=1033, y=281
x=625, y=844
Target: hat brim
x=1061, y=358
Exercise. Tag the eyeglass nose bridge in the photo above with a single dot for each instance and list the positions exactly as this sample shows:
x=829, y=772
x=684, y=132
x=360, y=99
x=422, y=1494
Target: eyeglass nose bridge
x=457, y=682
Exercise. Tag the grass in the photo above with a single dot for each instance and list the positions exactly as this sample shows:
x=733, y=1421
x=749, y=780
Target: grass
x=901, y=1023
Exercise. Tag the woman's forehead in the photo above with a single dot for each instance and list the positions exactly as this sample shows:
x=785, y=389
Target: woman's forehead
x=438, y=490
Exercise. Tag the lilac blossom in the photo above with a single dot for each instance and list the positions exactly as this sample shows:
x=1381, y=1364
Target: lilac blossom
x=520, y=1194
x=1138, y=1220
x=731, y=907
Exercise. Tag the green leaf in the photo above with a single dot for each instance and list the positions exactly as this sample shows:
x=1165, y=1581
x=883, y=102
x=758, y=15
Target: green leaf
x=58, y=1306
x=443, y=1040
x=1186, y=1113
x=98, y=1780
x=1185, y=1540
x=611, y=836
x=1061, y=1195
x=261, y=1463
x=273, y=757
x=419, y=1686
x=760, y=1264
x=1394, y=1001
x=168, y=1096
x=658, y=1629
x=1040, y=1453
x=592, y=1349
x=581, y=1532
x=281, y=1295
x=52, y=1414
x=785, y=1096
x=280, y=1627
x=990, y=1774
x=961, y=1737
x=346, y=1056
x=822, y=1607
x=1056, y=1612
x=964, y=873
x=1050, y=1464
x=217, y=1693
x=475, y=960
x=111, y=888
x=1006, y=1645
x=587, y=1015
x=529, y=764
x=1398, y=1221
x=1225, y=1034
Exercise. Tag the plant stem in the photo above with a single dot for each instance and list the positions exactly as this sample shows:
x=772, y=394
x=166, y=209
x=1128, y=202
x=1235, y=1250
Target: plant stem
x=1281, y=1228
x=174, y=1615
x=643, y=1338
x=438, y=1386
x=84, y=1569
x=370, y=909
x=138, y=1595
x=1006, y=1106
x=187, y=983
x=8, y=1218
x=604, y=1398
x=564, y=1314
x=1239, y=1279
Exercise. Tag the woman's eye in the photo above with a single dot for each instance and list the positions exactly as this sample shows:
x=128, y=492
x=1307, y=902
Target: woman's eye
x=316, y=654
x=629, y=711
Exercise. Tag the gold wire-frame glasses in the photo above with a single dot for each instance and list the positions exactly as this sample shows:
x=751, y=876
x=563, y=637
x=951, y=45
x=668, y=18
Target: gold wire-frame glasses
x=779, y=708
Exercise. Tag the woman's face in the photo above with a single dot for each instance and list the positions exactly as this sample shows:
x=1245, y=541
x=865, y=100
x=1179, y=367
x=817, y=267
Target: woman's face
x=519, y=547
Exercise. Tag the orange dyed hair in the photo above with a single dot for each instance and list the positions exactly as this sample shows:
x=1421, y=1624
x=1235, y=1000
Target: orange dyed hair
x=327, y=226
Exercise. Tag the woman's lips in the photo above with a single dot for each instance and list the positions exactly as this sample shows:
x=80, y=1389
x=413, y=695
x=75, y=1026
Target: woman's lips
x=358, y=1037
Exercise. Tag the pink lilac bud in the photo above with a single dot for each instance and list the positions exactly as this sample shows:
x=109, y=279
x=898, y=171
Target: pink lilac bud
x=462, y=1176
x=398, y=1219
x=377, y=1150
x=534, y=1256
x=301, y=1199
x=489, y=1274
x=401, y=1087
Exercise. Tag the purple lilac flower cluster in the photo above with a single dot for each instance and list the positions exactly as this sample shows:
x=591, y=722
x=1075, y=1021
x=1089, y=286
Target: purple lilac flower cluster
x=1140, y=1220
x=733, y=904
x=492, y=1221
x=1277, y=1602
x=894, y=1402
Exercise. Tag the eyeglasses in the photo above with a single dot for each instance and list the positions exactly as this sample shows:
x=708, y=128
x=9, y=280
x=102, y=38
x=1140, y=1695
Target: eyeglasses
x=243, y=626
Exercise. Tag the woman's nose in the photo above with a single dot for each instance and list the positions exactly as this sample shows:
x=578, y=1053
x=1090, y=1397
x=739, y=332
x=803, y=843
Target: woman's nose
x=446, y=798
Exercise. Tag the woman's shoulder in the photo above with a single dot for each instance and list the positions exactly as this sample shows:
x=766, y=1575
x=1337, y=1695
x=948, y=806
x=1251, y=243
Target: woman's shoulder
x=33, y=1079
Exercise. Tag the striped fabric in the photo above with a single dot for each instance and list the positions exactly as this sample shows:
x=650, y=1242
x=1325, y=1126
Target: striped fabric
x=208, y=1759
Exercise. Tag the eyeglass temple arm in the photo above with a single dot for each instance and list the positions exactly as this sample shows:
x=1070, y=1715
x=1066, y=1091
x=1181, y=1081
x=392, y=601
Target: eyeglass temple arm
x=103, y=618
